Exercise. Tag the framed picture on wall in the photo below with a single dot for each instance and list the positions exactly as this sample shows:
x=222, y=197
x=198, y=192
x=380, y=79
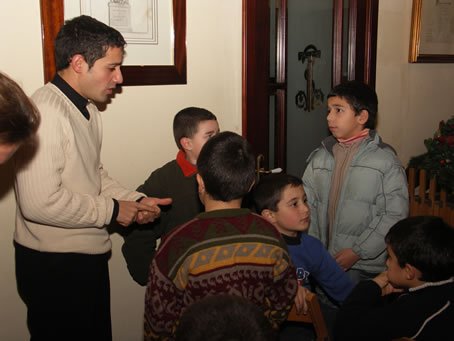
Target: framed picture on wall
x=432, y=32
x=155, y=32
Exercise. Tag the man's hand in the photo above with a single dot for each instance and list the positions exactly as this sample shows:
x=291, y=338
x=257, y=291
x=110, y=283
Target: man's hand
x=383, y=282
x=148, y=215
x=346, y=258
x=300, y=300
x=128, y=210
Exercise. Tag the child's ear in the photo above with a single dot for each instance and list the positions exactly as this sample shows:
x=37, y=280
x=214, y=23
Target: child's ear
x=363, y=116
x=411, y=272
x=200, y=181
x=186, y=143
x=269, y=216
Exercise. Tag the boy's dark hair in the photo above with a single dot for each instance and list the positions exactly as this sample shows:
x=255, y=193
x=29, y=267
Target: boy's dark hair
x=227, y=166
x=268, y=192
x=425, y=242
x=86, y=36
x=361, y=97
x=19, y=118
x=186, y=122
x=224, y=318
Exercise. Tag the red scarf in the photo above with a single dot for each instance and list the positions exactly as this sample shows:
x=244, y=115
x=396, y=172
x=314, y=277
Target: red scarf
x=187, y=168
x=352, y=139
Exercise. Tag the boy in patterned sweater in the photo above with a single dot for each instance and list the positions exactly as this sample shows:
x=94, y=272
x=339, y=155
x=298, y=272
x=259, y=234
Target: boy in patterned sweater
x=225, y=250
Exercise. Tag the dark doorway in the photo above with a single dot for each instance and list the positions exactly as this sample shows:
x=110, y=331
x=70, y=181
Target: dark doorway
x=279, y=38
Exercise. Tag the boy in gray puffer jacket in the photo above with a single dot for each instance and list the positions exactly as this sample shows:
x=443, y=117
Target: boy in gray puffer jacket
x=355, y=184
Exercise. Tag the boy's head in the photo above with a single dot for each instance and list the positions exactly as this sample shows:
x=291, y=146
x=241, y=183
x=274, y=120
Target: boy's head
x=224, y=317
x=352, y=106
x=281, y=200
x=192, y=127
x=421, y=249
x=226, y=167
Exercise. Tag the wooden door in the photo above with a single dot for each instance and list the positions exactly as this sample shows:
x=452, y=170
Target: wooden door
x=360, y=50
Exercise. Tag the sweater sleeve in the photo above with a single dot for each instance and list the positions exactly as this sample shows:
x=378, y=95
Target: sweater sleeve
x=163, y=305
x=392, y=206
x=327, y=273
x=140, y=241
x=281, y=294
x=366, y=315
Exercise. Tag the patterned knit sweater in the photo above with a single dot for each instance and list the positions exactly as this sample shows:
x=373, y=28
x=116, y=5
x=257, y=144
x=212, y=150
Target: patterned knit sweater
x=230, y=251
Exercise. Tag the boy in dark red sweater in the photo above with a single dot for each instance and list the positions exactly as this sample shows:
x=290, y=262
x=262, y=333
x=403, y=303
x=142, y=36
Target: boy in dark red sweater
x=225, y=250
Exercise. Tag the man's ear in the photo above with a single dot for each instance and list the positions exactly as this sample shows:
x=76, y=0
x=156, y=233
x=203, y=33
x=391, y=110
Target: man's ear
x=268, y=215
x=363, y=116
x=78, y=63
x=186, y=143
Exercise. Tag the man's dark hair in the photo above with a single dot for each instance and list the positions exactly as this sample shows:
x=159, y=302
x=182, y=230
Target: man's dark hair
x=86, y=36
x=227, y=166
x=425, y=242
x=361, y=97
x=186, y=122
x=19, y=118
x=268, y=192
x=224, y=318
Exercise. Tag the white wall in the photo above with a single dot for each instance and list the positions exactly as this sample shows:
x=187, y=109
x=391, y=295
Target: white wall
x=412, y=98
x=137, y=132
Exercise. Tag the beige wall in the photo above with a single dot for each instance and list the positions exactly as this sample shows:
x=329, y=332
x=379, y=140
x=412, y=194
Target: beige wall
x=137, y=132
x=137, y=124
x=413, y=98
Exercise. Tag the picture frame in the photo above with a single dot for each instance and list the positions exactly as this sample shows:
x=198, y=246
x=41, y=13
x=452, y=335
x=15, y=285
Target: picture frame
x=52, y=18
x=430, y=39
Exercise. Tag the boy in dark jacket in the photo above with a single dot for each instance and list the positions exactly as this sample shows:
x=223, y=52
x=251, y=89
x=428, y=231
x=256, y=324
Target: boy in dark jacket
x=420, y=266
x=192, y=127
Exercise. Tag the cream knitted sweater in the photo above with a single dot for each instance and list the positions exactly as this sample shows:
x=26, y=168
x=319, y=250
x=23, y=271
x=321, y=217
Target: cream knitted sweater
x=64, y=196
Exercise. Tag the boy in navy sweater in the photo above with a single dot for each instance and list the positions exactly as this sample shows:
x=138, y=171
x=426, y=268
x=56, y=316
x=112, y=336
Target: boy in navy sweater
x=281, y=200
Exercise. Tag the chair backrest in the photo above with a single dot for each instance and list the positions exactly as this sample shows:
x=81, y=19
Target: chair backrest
x=314, y=316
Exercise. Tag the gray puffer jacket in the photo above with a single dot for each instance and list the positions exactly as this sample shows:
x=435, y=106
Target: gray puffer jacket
x=374, y=196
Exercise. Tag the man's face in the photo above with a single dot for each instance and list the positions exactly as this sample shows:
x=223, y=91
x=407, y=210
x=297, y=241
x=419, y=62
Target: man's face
x=98, y=82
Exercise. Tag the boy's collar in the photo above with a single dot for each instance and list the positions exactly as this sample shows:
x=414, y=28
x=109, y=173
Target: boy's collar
x=355, y=138
x=432, y=284
x=187, y=168
x=292, y=240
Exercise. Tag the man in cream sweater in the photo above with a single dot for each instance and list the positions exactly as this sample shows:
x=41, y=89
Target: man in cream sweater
x=65, y=199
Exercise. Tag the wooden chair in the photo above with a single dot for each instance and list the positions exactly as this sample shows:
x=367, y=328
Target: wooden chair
x=313, y=316
x=426, y=198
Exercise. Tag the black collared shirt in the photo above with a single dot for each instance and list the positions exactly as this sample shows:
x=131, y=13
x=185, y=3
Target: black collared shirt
x=79, y=101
